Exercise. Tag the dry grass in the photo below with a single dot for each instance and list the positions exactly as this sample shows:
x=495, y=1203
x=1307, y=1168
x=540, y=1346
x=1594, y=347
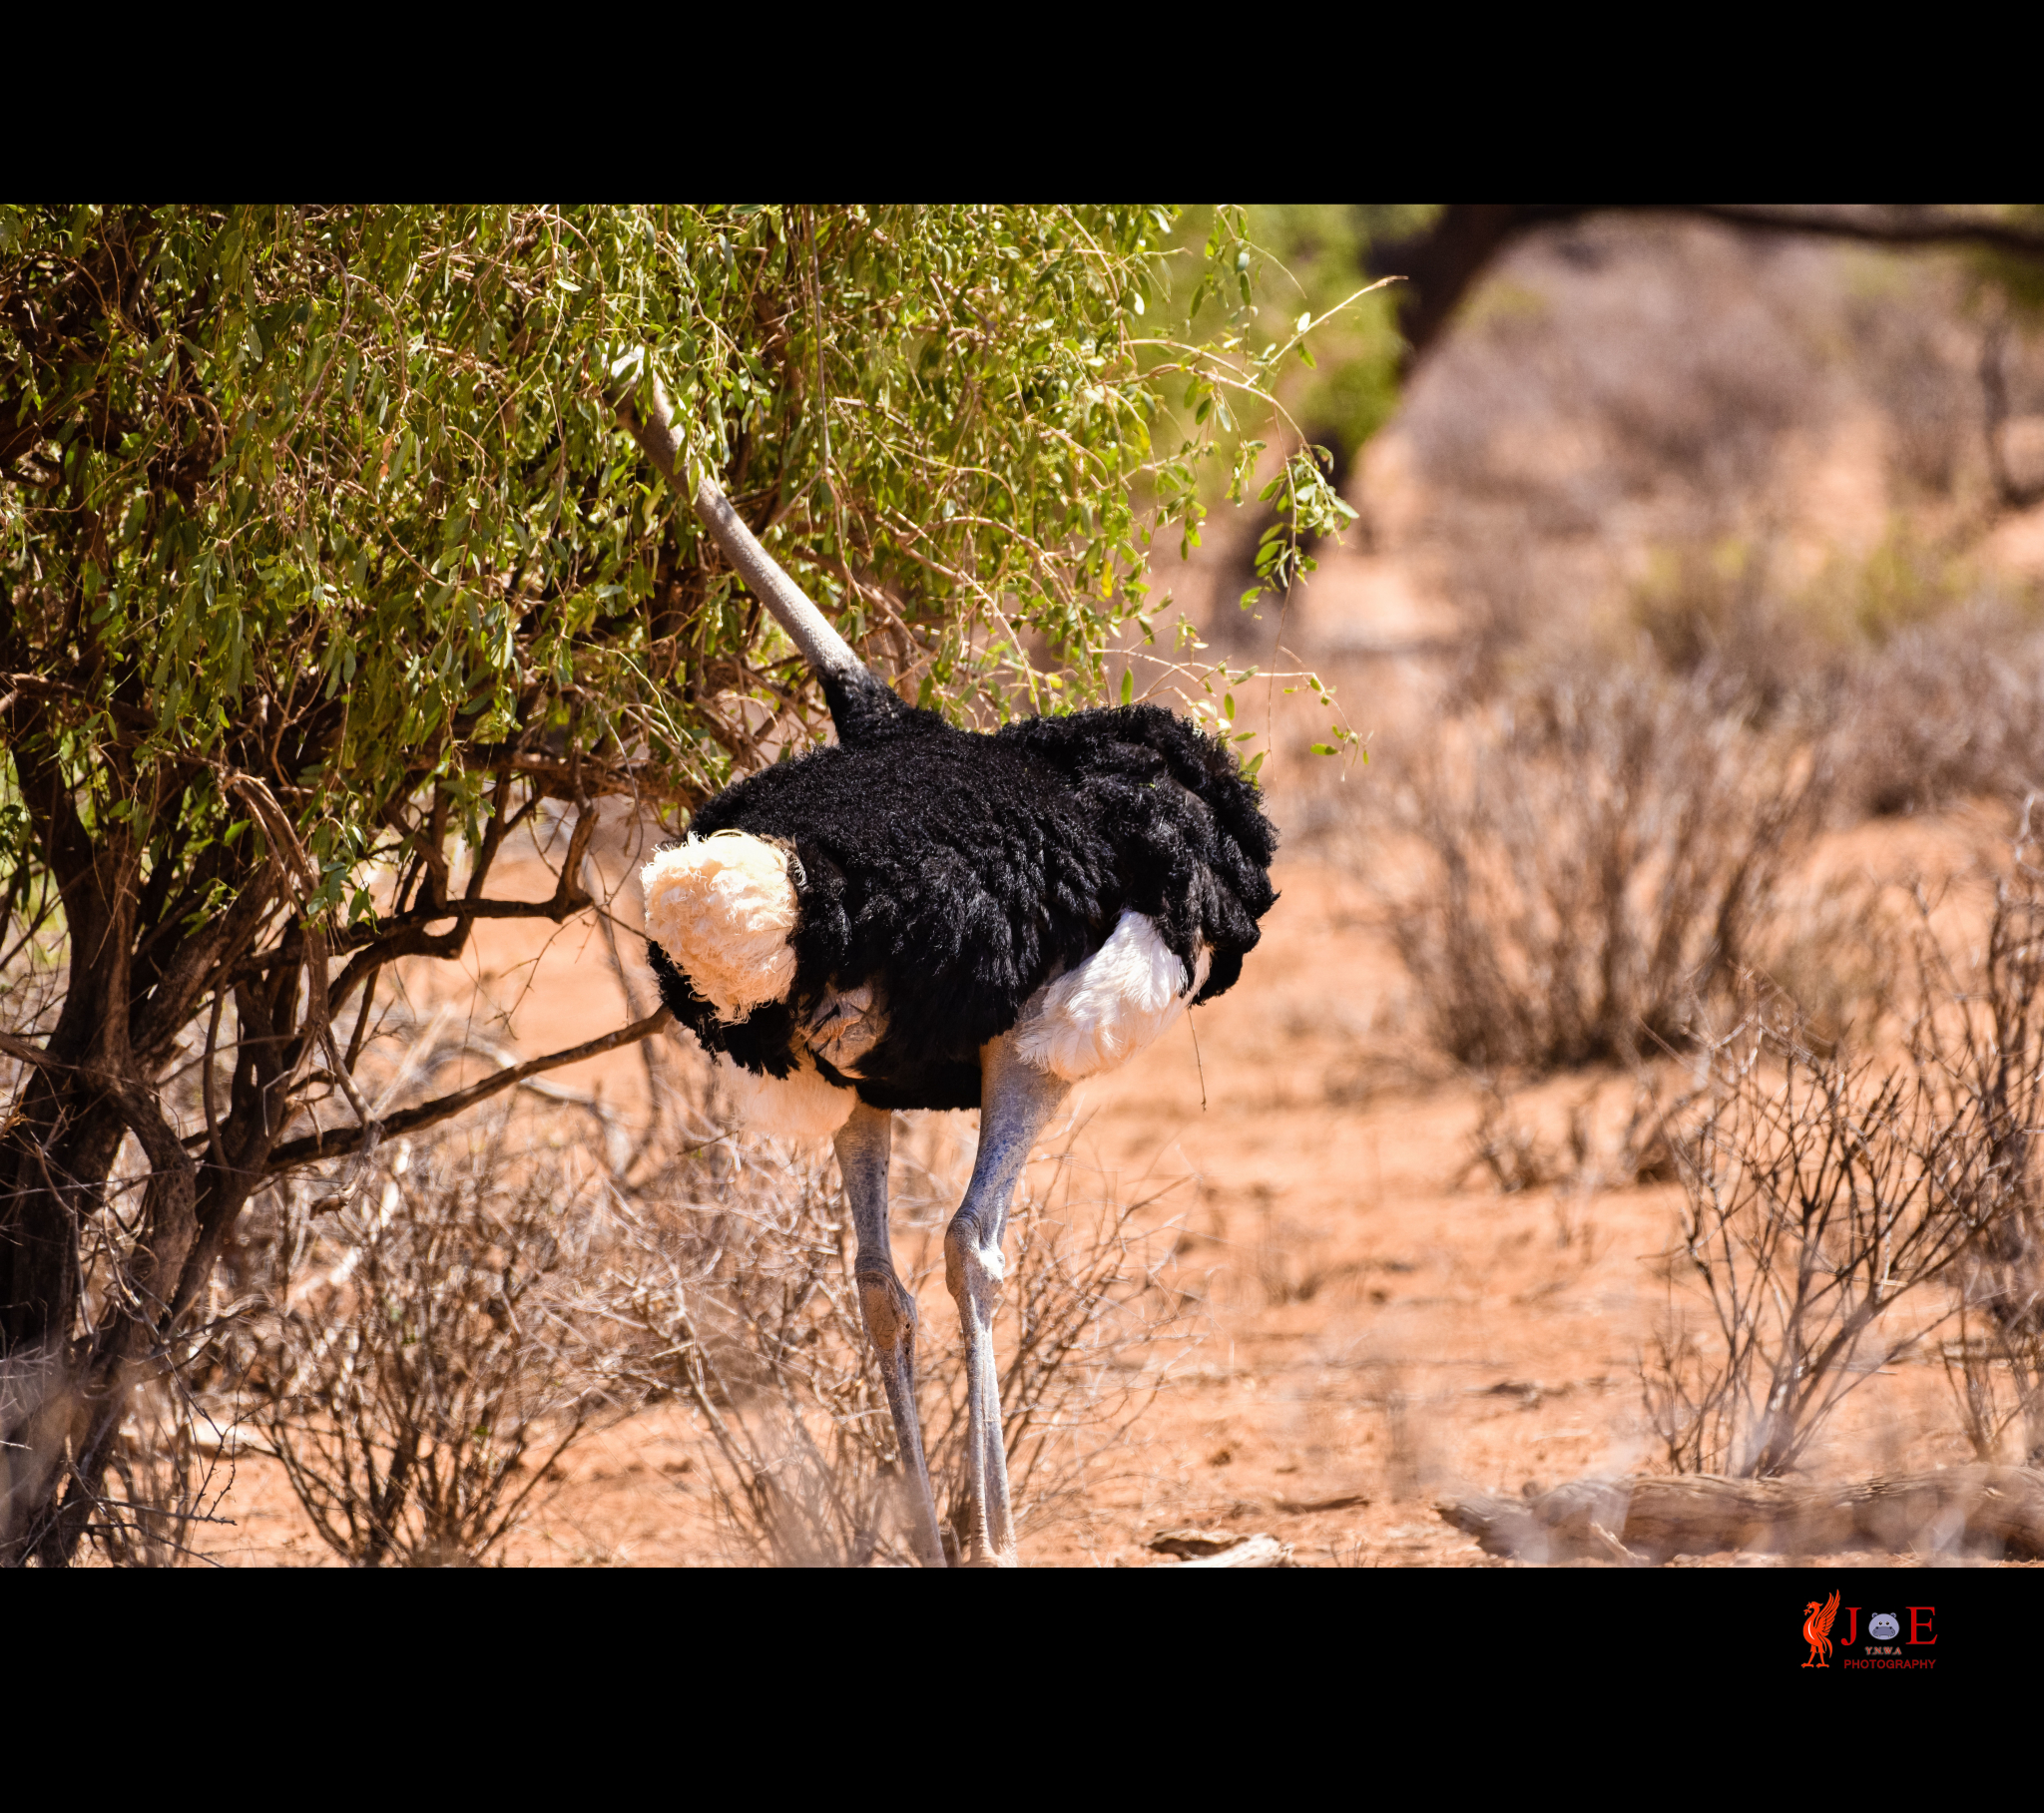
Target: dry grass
x=739, y=1288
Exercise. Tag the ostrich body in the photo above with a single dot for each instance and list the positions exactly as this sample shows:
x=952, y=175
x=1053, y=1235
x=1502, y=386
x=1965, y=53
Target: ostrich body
x=926, y=917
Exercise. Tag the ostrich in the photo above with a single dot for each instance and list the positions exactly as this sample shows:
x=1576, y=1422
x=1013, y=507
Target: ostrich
x=926, y=917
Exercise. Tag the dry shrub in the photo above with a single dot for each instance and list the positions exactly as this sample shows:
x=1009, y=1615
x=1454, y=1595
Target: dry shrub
x=1817, y=1202
x=1287, y=1265
x=1989, y=1044
x=1945, y=712
x=1592, y=1155
x=1921, y=674
x=434, y=1349
x=737, y=1277
x=1709, y=615
x=738, y=1285
x=1511, y=1149
x=1518, y=1158
x=169, y=1470
x=1996, y=1363
x=1831, y=950
x=159, y=1502
x=1841, y=1210
x=1722, y=610
x=1597, y=850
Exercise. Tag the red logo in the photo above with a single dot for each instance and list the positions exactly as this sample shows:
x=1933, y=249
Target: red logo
x=1816, y=1630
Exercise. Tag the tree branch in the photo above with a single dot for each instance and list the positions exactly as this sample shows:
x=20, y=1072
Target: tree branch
x=30, y=1053
x=1443, y=263
x=1874, y=226
x=341, y=1141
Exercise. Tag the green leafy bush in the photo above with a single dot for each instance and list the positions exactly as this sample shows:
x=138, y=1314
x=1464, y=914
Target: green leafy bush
x=324, y=563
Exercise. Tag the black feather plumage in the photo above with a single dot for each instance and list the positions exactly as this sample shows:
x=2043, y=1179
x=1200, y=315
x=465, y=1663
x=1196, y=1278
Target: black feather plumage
x=961, y=871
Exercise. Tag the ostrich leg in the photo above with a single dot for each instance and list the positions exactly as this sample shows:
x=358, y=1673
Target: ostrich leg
x=863, y=1145
x=1015, y=1102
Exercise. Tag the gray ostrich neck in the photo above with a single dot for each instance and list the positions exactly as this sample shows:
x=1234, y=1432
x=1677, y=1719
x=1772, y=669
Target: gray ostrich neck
x=828, y=652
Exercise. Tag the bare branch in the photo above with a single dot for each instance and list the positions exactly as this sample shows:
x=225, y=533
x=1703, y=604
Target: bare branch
x=1878, y=226
x=28, y=1054
x=340, y=1143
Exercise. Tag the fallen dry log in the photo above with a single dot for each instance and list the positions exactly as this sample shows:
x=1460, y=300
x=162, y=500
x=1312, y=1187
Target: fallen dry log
x=1263, y=1550
x=1967, y=1509
x=1221, y=1548
x=1188, y=1545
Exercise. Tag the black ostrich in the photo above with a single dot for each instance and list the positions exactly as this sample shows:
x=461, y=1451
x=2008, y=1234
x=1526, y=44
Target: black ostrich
x=925, y=917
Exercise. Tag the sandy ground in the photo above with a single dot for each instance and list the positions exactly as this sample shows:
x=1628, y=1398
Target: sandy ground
x=1374, y=1323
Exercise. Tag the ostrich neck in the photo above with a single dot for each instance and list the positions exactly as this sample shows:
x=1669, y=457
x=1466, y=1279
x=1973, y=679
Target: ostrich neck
x=828, y=654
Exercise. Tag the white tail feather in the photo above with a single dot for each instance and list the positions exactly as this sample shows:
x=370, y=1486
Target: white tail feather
x=723, y=907
x=1118, y=1001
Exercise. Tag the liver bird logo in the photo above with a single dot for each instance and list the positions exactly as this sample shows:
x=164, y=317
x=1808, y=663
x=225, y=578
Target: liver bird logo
x=1816, y=1630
